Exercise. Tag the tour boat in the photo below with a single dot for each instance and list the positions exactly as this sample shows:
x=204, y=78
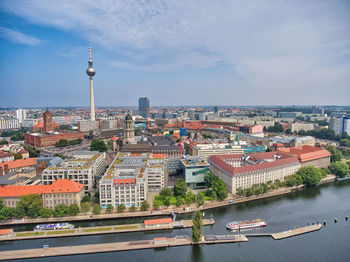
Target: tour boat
x=53, y=226
x=238, y=225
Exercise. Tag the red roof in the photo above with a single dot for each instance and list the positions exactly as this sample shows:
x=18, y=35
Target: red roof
x=158, y=155
x=115, y=138
x=19, y=163
x=158, y=221
x=58, y=186
x=306, y=153
x=5, y=231
x=124, y=181
x=219, y=161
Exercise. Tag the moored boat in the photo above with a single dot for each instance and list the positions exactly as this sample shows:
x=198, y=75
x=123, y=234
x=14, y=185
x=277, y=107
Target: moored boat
x=53, y=226
x=238, y=225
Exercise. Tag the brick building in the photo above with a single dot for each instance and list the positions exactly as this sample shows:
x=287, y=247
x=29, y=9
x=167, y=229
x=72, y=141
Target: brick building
x=50, y=139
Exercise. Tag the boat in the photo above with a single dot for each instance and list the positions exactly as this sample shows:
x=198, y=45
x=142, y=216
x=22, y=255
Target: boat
x=238, y=225
x=56, y=226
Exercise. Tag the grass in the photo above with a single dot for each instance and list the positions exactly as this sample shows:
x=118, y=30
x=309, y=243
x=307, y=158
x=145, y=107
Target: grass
x=98, y=229
x=30, y=234
x=160, y=199
x=124, y=227
x=57, y=232
x=205, y=197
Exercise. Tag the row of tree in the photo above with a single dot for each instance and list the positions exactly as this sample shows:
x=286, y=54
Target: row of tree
x=33, y=152
x=308, y=175
x=121, y=208
x=216, y=185
x=65, y=142
x=98, y=145
x=258, y=189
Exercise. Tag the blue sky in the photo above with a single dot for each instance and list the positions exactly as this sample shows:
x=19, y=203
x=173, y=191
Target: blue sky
x=198, y=52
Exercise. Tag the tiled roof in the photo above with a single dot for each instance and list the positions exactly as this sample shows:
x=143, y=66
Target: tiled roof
x=284, y=159
x=306, y=153
x=19, y=163
x=5, y=231
x=158, y=221
x=58, y=186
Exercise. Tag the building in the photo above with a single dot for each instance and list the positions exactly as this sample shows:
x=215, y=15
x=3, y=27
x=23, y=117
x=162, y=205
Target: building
x=129, y=132
x=154, y=223
x=336, y=124
x=5, y=157
x=48, y=125
x=88, y=125
x=21, y=115
x=50, y=139
x=309, y=155
x=287, y=141
x=144, y=106
x=80, y=166
x=60, y=192
x=346, y=125
x=9, y=123
x=15, y=148
x=243, y=171
x=206, y=150
x=18, y=165
x=193, y=170
x=288, y=114
x=130, y=177
x=296, y=127
x=317, y=110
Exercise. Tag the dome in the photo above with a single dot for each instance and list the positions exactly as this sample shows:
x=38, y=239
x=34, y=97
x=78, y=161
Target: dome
x=128, y=117
x=90, y=71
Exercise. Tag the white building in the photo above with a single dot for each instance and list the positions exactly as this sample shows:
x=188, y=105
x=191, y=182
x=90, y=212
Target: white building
x=81, y=166
x=9, y=123
x=129, y=179
x=21, y=115
x=336, y=124
x=207, y=150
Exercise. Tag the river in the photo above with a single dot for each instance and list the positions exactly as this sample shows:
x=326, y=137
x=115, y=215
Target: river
x=331, y=243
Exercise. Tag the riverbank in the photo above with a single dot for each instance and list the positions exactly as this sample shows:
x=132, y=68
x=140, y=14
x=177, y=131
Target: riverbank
x=163, y=212
x=141, y=244
x=101, y=230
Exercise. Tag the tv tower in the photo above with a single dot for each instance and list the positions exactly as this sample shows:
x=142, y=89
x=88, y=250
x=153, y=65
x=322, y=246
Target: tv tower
x=91, y=72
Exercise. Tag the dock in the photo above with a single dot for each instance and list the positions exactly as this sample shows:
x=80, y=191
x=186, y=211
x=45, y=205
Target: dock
x=100, y=230
x=113, y=247
x=296, y=231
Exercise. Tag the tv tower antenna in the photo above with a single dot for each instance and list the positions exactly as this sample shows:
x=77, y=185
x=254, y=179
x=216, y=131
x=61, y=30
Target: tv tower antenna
x=91, y=72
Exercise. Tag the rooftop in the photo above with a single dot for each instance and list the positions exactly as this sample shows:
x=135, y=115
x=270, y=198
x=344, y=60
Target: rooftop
x=306, y=152
x=19, y=163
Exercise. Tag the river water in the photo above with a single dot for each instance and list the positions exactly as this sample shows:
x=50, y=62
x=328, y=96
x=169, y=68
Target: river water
x=331, y=243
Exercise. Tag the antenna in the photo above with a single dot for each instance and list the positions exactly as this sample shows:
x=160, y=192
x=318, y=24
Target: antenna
x=90, y=47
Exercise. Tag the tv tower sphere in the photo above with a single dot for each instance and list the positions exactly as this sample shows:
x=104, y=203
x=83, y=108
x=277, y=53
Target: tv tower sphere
x=90, y=71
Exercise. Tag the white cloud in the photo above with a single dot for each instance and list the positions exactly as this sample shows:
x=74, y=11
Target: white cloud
x=18, y=37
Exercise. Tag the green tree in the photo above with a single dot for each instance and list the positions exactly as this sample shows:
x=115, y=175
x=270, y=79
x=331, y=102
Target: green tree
x=340, y=169
x=73, y=209
x=156, y=204
x=166, y=192
x=209, y=179
x=311, y=175
x=220, y=189
x=132, y=208
x=268, y=149
x=19, y=212
x=7, y=212
x=239, y=191
x=1, y=203
x=98, y=145
x=46, y=212
x=97, y=209
x=180, y=201
x=213, y=195
x=121, y=208
x=31, y=204
x=180, y=187
x=335, y=153
x=144, y=205
x=3, y=142
x=109, y=209
x=60, y=210
x=190, y=197
x=288, y=131
x=17, y=156
x=290, y=180
x=166, y=201
x=85, y=207
x=344, y=142
x=85, y=198
x=197, y=227
x=200, y=199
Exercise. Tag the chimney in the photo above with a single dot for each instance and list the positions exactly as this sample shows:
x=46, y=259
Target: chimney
x=1, y=171
x=6, y=167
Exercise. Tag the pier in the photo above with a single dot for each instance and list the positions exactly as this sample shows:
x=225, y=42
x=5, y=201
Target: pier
x=296, y=231
x=112, y=229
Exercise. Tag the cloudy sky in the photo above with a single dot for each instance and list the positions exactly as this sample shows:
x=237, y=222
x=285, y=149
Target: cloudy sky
x=199, y=52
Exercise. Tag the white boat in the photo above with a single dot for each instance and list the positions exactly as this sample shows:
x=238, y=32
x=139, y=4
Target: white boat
x=238, y=225
x=53, y=226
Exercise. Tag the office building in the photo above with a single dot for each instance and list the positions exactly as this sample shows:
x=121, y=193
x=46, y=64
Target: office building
x=207, y=150
x=9, y=123
x=21, y=115
x=193, y=170
x=144, y=107
x=346, y=125
x=81, y=166
x=336, y=124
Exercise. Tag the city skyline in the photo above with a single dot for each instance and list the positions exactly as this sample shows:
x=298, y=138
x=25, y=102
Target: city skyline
x=211, y=54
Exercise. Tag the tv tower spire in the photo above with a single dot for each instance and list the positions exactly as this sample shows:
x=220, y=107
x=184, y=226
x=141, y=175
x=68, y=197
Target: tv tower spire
x=91, y=72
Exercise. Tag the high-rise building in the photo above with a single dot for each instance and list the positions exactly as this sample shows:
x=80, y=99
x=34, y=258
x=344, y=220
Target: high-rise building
x=91, y=72
x=129, y=132
x=317, y=110
x=144, y=105
x=336, y=124
x=48, y=126
x=21, y=115
x=346, y=125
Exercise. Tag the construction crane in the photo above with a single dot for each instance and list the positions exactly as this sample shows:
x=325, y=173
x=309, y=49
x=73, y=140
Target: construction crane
x=180, y=144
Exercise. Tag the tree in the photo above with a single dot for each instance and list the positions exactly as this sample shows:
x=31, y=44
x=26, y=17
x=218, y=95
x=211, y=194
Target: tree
x=73, y=209
x=197, y=227
x=3, y=142
x=85, y=198
x=310, y=175
x=132, y=208
x=61, y=143
x=213, y=195
x=180, y=187
x=200, y=199
x=220, y=189
x=340, y=169
x=156, y=204
x=268, y=149
x=344, y=142
x=335, y=153
x=1, y=203
x=239, y=191
x=59, y=155
x=85, y=207
x=31, y=204
x=97, y=209
x=190, y=197
x=144, y=205
x=209, y=179
x=17, y=156
x=98, y=145
x=46, y=212
x=166, y=201
x=288, y=131
x=166, y=192
x=60, y=210
x=180, y=201
x=7, y=212
x=121, y=208
x=109, y=209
